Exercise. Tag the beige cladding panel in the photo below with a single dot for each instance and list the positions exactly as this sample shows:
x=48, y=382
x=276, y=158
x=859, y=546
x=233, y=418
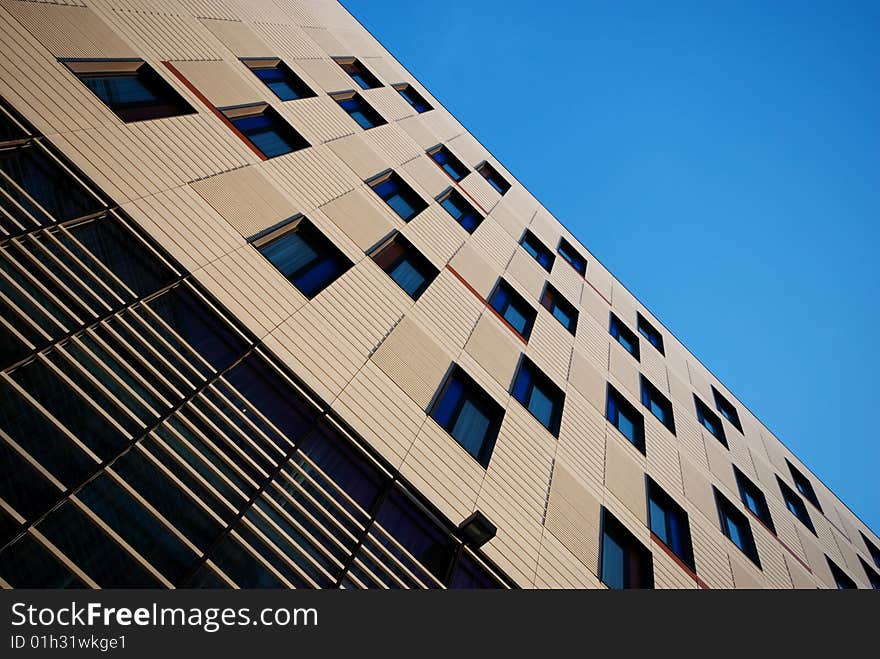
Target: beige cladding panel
x=494, y=349
x=573, y=517
x=528, y=273
x=625, y=477
x=359, y=156
x=587, y=379
x=360, y=218
x=238, y=38
x=476, y=271
x=698, y=489
x=327, y=74
x=221, y=84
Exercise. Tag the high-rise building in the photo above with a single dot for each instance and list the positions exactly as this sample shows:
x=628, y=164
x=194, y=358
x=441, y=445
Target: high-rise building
x=271, y=317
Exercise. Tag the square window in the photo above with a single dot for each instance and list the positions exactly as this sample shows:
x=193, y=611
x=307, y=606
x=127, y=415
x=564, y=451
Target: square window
x=625, y=336
x=562, y=309
x=624, y=416
x=279, y=78
x=669, y=522
x=411, y=96
x=652, y=335
x=358, y=72
x=468, y=414
x=570, y=256
x=872, y=574
x=448, y=162
x=658, y=404
x=624, y=562
x=304, y=255
x=735, y=526
x=804, y=486
x=841, y=579
x=537, y=250
x=872, y=549
x=754, y=499
x=264, y=128
x=513, y=308
x=710, y=421
x=728, y=411
x=405, y=265
x=460, y=209
x=493, y=177
x=539, y=395
x=795, y=505
x=358, y=109
x=397, y=193
x=131, y=88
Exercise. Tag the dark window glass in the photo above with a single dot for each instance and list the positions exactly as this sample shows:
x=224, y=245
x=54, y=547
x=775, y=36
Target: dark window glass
x=411, y=96
x=625, y=336
x=652, y=335
x=624, y=562
x=468, y=574
x=540, y=252
x=359, y=110
x=269, y=133
x=669, y=522
x=306, y=257
x=358, y=72
x=469, y=414
x=727, y=409
x=283, y=82
x=513, y=307
x=28, y=564
x=795, y=505
x=710, y=421
x=242, y=566
x=137, y=95
x=570, y=256
x=872, y=574
x=494, y=178
x=735, y=526
x=562, y=309
x=395, y=192
x=659, y=405
x=22, y=486
x=406, y=266
x=448, y=162
x=461, y=210
x=872, y=549
x=539, y=395
x=754, y=499
x=625, y=418
x=804, y=486
x=9, y=129
x=841, y=579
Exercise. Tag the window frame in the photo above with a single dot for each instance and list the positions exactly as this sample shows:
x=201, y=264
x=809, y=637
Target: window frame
x=280, y=127
x=407, y=251
x=493, y=177
x=749, y=491
x=651, y=334
x=792, y=499
x=456, y=170
x=651, y=394
x=457, y=199
x=728, y=510
x=629, y=544
x=727, y=409
x=404, y=89
x=614, y=403
x=513, y=296
x=803, y=485
x=537, y=379
x=672, y=510
x=365, y=109
x=615, y=324
x=291, y=78
x=357, y=71
x=530, y=240
x=552, y=299
x=572, y=256
x=705, y=415
x=404, y=190
x=873, y=550
x=841, y=579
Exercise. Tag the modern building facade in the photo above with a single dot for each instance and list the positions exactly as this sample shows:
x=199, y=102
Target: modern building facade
x=271, y=317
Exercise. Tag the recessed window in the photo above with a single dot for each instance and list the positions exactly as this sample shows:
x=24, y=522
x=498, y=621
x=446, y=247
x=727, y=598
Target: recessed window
x=304, y=255
x=841, y=579
x=872, y=574
x=658, y=404
x=562, y=309
x=872, y=549
x=735, y=526
x=669, y=522
x=571, y=256
x=754, y=499
x=625, y=336
x=652, y=335
x=358, y=109
x=512, y=306
x=411, y=96
x=493, y=177
x=804, y=486
x=358, y=72
x=624, y=416
x=460, y=209
x=131, y=88
x=395, y=192
x=469, y=414
x=539, y=395
x=537, y=249
x=265, y=129
x=710, y=421
x=624, y=562
x=795, y=505
x=727, y=409
x=448, y=162
x=405, y=265
x=280, y=78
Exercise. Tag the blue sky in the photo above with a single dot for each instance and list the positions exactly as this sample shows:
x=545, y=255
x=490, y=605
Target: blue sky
x=722, y=159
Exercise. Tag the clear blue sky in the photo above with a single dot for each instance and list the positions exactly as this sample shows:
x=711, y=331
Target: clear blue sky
x=722, y=159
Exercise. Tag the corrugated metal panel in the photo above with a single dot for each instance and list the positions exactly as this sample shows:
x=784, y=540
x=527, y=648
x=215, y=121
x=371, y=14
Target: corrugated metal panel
x=494, y=349
x=492, y=242
x=359, y=156
x=448, y=311
x=527, y=273
x=550, y=347
x=222, y=83
x=435, y=235
x=326, y=75
x=287, y=40
x=392, y=143
x=388, y=103
x=420, y=133
x=325, y=39
x=662, y=457
x=559, y=568
x=312, y=177
x=319, y=119
x=710, y=554
x=480, y=190
x=360, y=217
x=573, y=517
x=237, y=37
x=163, y=36
x=625, y=476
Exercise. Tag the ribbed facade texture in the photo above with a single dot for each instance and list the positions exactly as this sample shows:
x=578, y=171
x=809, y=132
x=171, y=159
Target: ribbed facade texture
x=271, y=317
